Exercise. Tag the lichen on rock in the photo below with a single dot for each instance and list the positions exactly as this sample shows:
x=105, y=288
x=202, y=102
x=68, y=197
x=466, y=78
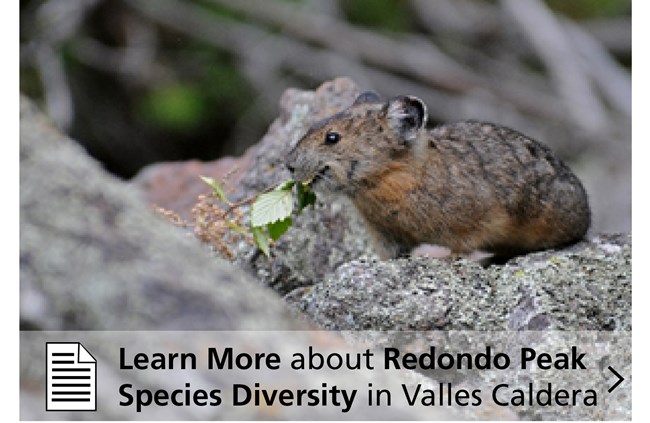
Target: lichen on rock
x=586, y=287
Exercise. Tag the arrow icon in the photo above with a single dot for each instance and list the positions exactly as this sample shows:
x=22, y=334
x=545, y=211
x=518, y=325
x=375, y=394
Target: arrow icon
x=618, y=382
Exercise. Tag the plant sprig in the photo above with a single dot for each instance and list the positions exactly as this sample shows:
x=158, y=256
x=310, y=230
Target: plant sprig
x=271, y=211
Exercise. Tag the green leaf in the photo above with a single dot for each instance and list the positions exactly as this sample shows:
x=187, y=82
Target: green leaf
x=217, y=188
x=271, y=207
x=305, y=196
x=261, y=239
x=285, y=186
x=277, y=229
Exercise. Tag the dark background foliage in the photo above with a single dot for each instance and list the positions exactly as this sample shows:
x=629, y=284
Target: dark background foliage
x=143, y=81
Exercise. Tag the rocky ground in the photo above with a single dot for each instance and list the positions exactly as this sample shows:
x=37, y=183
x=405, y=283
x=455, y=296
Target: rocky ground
x=94, y=256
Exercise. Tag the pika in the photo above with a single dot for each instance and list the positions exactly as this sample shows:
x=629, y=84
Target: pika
x=467, y=186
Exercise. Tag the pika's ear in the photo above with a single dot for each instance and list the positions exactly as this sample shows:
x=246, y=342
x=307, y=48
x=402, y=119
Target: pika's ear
x=367, y=97
x=406, y=116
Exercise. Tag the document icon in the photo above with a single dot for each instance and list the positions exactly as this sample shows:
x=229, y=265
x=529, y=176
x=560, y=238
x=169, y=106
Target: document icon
x=71, y=377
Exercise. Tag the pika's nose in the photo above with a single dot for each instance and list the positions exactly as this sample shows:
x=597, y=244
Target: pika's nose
x=290, y=167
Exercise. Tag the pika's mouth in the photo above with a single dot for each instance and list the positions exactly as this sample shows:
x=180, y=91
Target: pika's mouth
x=317, y=176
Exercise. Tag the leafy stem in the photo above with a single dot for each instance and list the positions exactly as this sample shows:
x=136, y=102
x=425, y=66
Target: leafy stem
x=270, y=212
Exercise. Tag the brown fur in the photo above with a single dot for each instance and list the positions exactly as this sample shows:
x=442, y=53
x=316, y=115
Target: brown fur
x=467, y=186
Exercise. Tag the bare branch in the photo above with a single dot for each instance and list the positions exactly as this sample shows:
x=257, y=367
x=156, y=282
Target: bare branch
x=614, y=34
x=420, y=60
x=467, y=18
x=134, y=62
x=267, y=54
x=57, y=21
x=555, y=48
x=434, y=68
x=58, y=98
x=613, y=80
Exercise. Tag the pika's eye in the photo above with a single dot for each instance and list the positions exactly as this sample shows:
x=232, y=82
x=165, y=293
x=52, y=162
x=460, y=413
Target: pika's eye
x=332, y=138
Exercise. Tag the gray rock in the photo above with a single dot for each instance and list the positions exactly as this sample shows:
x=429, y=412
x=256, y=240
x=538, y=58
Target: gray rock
x=95, y=259
x=585, y=287
x=94, y=256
